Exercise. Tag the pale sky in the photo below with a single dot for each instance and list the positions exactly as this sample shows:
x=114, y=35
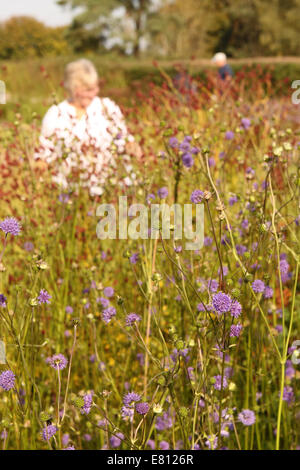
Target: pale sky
x=46, y=11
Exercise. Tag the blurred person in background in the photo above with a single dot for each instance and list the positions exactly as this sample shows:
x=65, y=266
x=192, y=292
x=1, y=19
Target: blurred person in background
x=79, y=133
x=224, y=70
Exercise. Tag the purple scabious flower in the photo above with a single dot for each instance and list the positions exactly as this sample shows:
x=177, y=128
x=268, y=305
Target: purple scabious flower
x=284, y=267
x=108, y=291
x=104, y=302
x=88, y=401
x=163, y=192
x=132, y=318
x=235, y=330
x=288, y=394
x=127, y=413
x=69, y=309
x=245, y=224
x=268, y=292
x=142, y=408
x=211, y=443
x=218, y=382
x=115, y=441
x=164, y=445
x=213, y=285
x=130, y=399
x=225, y=270
x=221, y=303
x=58, y=361
x=64, y=198
x=44, y=297
x=229, y=135
x=48, y=432
x=187, y=160
x=87, y=437
x=235, y=309
x=108, y=313
x=151, y=444
x=7, y=380
x=197, y=196
x=258, y=286
x=65, y=439
x=173, y=142
x=28, y=246
x=208, y=241
x=246, y=123
x=289, y=369
x=163, y=422
x=10, y=225
x=134, y=258
x=232, y=200
x=246, y=417
x=3, y=300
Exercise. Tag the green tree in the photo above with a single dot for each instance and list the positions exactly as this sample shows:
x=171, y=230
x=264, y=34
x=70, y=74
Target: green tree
x=99, y=19
x=24, y=36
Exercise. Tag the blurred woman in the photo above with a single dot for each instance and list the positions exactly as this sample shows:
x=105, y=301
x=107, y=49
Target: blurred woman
x=83, y=134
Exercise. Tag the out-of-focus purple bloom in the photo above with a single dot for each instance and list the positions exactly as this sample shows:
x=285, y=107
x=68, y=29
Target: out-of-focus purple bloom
x=289, y=369
x=104, y=302
x=268, y=292
x=207, y=241
x=164, y=445
x=218, y=382
x=48, y=432
x=44, y=297
x=187, y=160
x=246, y=123
x=197, y=196
x=213, y=285
x=247, y=417
x=87, y=437
x=65, y=439
x=58, y=361
x=232, y=200
x=134, y=258
x=163, y=192
x=211, y=442
x=151, y=444
x=163, y=422
x=69, y=309
x=115, y=441
x=235, y=330
x=141, y=358
x=235, y=309
x=288, y=394
x=10, y=225
x=211, y=162
x=127, y=413
x=108, y=314
x=229, y=135
x=7, y=380
x=88, y=401
x=64, y=198
x=28, y=246
x=108, y=291
x=3, y=300
x=132, y=318
x=173, y=142
x=258, y=286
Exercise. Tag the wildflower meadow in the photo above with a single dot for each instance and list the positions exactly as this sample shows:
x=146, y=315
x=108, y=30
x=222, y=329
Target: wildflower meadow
x=135, y=342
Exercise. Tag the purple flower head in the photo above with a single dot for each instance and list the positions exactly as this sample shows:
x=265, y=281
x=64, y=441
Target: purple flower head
x=221, y=302
x=207, y=241
x=218, y=382
x=268, y=292
x=87, y=437
x=235, y=330
x=229, y=135
x=28, y=246
x=235, y=309
x=108, y=314
x=130, y=399
x=48, y=432
x=163, y=192
x=247, y=417
x=163, y=422
x=246, y=123
x=211, y=443
x=127, y=413
x=142, y=408
x=284, y=267
x=288, y=394
x=132, y=318
x=88, y=401
x=258, y=286
x=213, y=285
x=64, y=198
x=44, y=297
x=108, y=291
x=115, y=441
x=164, y=445
x=3, y=300
x=69, y=309
x=58, y=361
x=173, y=142
x=104, y=302
x=7, y=380
x=134, y=258
x=211, y=162
x=151, y=444
x=197, y=196
x=10, y=225
x=187, y=160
